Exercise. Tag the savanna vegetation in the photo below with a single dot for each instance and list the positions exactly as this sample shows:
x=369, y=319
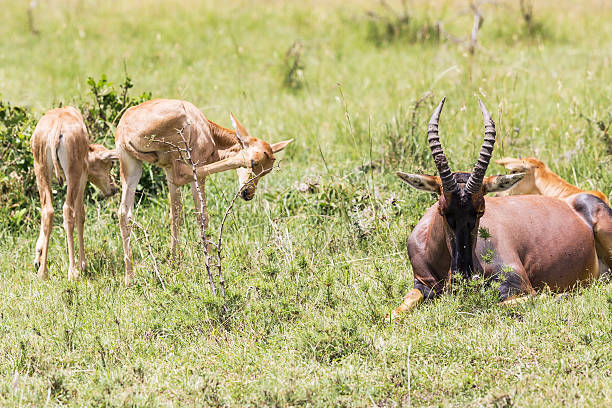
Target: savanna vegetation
x=317, y=259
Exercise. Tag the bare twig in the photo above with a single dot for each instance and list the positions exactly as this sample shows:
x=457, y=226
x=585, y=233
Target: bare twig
x=31, y=24
x=472, y=43
x=184, y=150
x=146, y=237
x=417, y=104
x=477, y=24
x=185, y=154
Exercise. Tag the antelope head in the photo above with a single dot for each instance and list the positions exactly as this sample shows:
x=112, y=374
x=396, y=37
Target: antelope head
x=254, y=160
x=461, y=200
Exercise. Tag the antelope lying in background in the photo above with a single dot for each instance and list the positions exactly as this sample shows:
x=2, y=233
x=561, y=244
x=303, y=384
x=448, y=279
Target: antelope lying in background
x=60, y=144
x=532, y=241
x=540, y=180
x=149, y=132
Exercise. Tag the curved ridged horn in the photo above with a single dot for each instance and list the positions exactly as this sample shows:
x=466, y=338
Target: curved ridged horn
x=448, y=181
x=474, y=183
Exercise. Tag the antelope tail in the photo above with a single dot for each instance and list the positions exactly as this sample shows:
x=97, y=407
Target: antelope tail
x=56, y=136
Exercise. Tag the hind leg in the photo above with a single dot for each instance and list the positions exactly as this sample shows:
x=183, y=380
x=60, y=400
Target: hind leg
x=131, y=170
x=80, y=224
x=43, y=182
x=175, y=211
x=70, y=212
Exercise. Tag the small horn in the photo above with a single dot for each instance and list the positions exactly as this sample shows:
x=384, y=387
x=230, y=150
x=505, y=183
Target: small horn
x=241, y=132
x=448, y=181
x=474, y=183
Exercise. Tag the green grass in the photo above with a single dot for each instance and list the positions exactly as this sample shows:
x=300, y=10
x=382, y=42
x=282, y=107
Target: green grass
x=310, y=275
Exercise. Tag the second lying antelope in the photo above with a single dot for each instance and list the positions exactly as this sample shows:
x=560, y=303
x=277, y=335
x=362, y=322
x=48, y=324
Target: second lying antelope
x=155, y=130
x=540, y=180
x=532, y=242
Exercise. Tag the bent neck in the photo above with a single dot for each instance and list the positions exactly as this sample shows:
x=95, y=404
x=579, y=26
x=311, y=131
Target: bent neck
x=552, y=185
x=226, y=141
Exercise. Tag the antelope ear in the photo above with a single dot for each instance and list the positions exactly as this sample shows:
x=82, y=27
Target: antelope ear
x=515, y=165
x=422, y=182
x=111, y=155
x=241, y=132
x=506, y=160
x=495, y=184
x=277, y=147
x=103, y=154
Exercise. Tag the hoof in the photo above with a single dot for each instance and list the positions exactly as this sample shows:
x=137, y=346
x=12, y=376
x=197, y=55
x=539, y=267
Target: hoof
x=391, y=317
x=36, y=265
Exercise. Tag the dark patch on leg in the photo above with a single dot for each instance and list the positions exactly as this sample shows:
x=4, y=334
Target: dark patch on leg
x=511, y=286
x=428, y=293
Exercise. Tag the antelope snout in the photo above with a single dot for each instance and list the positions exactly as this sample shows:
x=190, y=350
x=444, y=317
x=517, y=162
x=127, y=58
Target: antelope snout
x=112, y=192
x=247, y=194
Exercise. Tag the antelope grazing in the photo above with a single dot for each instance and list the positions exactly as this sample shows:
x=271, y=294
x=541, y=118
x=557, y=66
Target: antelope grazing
x=60, y=143
x=532, y=241
x=150, y=132
x=541, y=180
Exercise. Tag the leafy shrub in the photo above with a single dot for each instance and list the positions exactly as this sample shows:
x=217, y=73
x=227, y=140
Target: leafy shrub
x=293, y=67
x=17, y=180
x=108, y=105
x=387, y=25
x=404, y=138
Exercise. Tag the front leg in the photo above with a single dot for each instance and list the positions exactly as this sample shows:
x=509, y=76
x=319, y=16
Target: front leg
x=411, y=300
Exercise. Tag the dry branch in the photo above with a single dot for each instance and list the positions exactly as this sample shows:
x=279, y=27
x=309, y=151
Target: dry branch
x=148, y=242
x=184, y=150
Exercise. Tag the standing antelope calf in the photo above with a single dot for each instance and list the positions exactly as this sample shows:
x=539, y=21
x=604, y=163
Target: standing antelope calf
x=150, y=132
x=60, y=144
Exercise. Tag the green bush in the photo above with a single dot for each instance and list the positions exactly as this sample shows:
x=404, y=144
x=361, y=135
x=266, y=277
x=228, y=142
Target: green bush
x=17, y=180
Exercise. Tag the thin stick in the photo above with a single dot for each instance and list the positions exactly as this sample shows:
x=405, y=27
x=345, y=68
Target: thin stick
x=146, y=237
x=186, y=152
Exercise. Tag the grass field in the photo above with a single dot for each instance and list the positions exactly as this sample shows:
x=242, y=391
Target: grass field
x=310, y=275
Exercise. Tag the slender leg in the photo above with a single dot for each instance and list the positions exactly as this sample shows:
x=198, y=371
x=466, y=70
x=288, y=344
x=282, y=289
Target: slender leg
x=412, y=299
x=43, y=182
x=175, y=211
x=72, y=194
x=131, y=170
x=80, y=223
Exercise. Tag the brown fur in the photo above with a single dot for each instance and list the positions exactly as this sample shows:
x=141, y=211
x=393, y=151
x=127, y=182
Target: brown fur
x=149, y=132
x=60, y=142
x=541, y=180
x=520, y=229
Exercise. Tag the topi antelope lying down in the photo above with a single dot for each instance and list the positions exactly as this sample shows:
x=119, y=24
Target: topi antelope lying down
x=541, y=180
x=535, y=241
x=149, y=132
x=60, y=144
